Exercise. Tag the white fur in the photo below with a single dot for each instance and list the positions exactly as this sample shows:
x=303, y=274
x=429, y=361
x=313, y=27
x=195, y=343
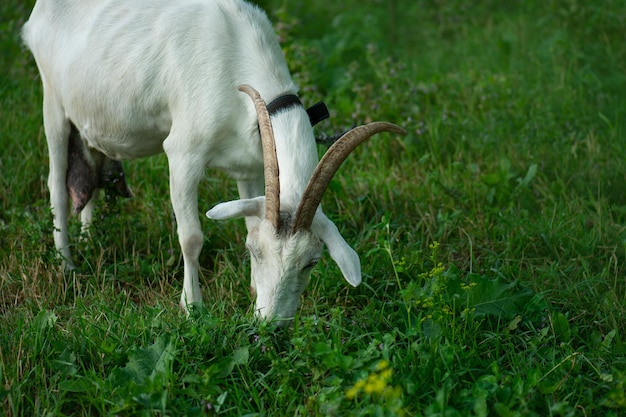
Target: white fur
x=145, y=76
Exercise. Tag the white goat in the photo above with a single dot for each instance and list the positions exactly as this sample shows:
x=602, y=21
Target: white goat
x=128, y=79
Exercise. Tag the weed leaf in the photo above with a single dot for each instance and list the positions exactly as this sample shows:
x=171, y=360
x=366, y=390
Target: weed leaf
x=608, y=339
x=530, y=175
x=146, y=364
x=493, y=297
x=78, y=384
x=489, y=296
x=224, y=367
x=45, y=320
x=241, y=356
x=561, y=327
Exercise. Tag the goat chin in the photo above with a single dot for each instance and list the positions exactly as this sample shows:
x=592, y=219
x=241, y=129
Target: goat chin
x=124, y=80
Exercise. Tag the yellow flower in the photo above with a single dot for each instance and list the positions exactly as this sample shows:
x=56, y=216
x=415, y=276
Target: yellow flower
x=381, y=365
x=351, y=393
x=376, y=383
x=374, y=386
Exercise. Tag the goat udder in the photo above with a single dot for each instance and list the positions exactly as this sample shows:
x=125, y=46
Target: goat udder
x=113, y=180
x=81, y=178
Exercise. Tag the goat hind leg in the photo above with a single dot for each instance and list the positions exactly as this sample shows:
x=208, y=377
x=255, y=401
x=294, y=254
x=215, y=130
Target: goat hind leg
x=86, y=215
x=57, y=129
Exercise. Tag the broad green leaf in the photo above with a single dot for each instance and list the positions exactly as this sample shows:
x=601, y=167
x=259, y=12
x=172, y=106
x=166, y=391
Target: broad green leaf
x=66, y=363
x=530, y=175
x=608, y=339
x=146, y=364
x=241, y=356
x=561, y=327
x=45, y=320
x=79, y=384
x=489, y=297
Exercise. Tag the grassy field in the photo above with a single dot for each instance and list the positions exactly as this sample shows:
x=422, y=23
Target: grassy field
x=492, y=237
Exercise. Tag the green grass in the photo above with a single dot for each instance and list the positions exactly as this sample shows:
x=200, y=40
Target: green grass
x=492, y=237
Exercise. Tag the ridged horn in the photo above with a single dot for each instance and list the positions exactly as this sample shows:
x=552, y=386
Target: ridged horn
x=328, y=166
x=270, y=160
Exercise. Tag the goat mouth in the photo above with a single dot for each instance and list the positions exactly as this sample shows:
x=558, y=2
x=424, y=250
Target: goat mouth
x=281, y=323
x=275, y=321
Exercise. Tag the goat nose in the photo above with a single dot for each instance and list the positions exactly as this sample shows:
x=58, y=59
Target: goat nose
x=274, y=320
x=281, y=323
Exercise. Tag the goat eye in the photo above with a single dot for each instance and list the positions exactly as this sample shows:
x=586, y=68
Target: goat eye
x=252, y=252
x=311, y=264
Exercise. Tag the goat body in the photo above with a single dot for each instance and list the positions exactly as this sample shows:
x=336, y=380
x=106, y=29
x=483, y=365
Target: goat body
x=129, y=79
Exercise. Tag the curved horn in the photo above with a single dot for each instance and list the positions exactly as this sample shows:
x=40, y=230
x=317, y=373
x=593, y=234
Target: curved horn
x=270, y=160
x=329, y=164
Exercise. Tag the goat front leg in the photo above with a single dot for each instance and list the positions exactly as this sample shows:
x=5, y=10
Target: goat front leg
x=185, y=174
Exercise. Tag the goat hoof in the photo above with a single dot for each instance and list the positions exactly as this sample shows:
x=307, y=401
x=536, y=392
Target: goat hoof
x=68, y=266
x=192, y=309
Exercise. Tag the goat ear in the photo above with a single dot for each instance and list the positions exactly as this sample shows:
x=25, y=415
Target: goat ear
x=345, y=257
x=234, y=209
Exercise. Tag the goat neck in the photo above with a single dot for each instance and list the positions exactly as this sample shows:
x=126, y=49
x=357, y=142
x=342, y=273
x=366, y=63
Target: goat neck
x=296, y=156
